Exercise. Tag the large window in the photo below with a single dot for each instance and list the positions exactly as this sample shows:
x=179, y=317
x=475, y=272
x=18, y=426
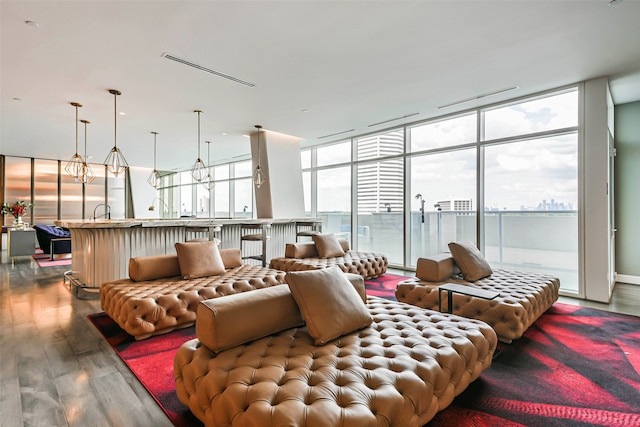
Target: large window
x=334, y=200
x=510, y=169
x=531, y=199
x=443, y=190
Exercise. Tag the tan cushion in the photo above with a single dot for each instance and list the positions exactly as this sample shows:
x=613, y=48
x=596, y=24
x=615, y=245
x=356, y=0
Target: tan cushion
x=308, y=249
x=153, y=267
x=470, y=261
x=435, y=268
x=328, y=245
x=300, y=250
x=358, y=283
x=223, y=323
x=330, y=305
x=199, y=259
x=231, y=257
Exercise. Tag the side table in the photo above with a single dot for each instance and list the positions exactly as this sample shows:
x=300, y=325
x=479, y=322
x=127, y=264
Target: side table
x=454, y=288
x=21, y=242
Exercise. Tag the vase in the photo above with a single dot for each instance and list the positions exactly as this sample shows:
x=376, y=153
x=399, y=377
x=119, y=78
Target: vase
x=18, y=223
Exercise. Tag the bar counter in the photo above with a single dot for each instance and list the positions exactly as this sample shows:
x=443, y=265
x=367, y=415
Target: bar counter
x=101, y=249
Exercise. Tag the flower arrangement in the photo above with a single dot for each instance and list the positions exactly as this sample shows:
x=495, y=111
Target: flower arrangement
x=18, y=209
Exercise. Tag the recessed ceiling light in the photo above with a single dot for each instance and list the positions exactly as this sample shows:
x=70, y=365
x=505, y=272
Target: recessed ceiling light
x=304, y=110
x=224, y=133
x=15, y=98
x=122, y=113
x=32, y=24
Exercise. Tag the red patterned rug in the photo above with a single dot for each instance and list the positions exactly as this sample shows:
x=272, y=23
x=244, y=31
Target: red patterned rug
x=574, y=367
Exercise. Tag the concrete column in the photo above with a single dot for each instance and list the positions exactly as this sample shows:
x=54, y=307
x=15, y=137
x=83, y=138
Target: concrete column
x=282, y=195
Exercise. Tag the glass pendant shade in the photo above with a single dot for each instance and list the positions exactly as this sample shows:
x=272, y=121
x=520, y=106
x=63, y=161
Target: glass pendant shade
x=259, y=177
x=74, y=166
x=115, y=161
x=87, y=176
x=154, y=177
x=199, y=170
x=208, y=182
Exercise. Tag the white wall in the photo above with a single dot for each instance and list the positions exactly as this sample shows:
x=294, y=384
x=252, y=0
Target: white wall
x=142, y=193
x=597, y=282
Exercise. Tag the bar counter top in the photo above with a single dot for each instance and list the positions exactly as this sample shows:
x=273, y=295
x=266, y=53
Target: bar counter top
x=169, y=222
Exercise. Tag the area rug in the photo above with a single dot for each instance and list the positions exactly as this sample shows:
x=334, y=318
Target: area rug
x=574, y=367
x=44, y=260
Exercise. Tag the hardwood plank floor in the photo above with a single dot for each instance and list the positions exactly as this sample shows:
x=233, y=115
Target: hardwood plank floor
x=55, y=367
x=57, y=370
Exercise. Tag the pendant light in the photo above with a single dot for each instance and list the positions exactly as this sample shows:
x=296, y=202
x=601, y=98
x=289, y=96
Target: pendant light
x=198, y=170
x=258, y=176
x=115, y=161
x=154, y=177
x=74, y=166
x=87, y=176
x=208, y=182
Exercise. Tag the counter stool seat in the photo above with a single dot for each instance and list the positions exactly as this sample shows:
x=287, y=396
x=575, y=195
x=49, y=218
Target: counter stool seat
x=252, y=236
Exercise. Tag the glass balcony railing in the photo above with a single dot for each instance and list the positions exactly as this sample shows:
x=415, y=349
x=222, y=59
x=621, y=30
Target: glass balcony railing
x=535, y=241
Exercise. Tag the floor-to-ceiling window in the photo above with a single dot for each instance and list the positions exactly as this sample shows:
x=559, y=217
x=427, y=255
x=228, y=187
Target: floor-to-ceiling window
x=531, y=187
x=504, y=177
x=379, y=181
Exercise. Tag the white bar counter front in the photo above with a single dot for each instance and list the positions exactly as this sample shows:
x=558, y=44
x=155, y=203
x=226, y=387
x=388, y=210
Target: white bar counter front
x=101, y=249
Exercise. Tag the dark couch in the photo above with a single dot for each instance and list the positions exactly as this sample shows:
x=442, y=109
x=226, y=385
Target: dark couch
x=53, y=239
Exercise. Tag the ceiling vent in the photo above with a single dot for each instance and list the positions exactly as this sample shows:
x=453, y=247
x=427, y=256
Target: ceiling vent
x=208, y=70
x=337, y=133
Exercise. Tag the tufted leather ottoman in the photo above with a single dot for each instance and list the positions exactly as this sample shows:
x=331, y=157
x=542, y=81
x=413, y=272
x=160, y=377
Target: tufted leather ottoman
x=400, y=371
x=149, y=307
x=304, y=256
x=522, y=300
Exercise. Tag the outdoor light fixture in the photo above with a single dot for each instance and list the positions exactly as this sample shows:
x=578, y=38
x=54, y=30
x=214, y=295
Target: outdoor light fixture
x=115, y=161
x=419, y=197
x=198, y=170
x=208, y=182
x=154, y=177
x=258, y=176
x=87, y=176
x=74, y=166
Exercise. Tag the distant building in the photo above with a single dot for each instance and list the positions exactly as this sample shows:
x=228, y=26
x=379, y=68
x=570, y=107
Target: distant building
x=455, y=205
x=380, y=184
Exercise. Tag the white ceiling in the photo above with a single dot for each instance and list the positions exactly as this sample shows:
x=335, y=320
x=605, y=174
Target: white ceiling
x=319, y=67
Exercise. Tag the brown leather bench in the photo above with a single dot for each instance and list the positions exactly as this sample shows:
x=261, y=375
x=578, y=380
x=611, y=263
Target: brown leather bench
x=156, y=299
x=304, y=256
x=399, y=370
x=522, y=299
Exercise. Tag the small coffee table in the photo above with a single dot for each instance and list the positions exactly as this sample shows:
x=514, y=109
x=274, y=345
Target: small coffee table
x=454, y=288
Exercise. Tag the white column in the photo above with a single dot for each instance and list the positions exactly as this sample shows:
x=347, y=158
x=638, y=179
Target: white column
x=282, y=196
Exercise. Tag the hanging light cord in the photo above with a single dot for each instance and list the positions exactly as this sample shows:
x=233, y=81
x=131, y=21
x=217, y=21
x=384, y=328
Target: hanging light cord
x=115, y=119
x=154, y=150
x=198, y=111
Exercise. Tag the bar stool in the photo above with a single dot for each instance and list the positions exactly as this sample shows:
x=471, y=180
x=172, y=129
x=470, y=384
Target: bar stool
x=255, y=233
x=308, y=228
x=203, y=234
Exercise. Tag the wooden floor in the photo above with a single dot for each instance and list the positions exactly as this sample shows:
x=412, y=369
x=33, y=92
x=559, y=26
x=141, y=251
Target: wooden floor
x=57, y=370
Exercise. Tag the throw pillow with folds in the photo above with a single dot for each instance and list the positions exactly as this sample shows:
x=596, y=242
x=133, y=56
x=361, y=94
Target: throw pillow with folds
x=329, y=303
x=199, y=259
x=470, y=260
x=328, y=245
